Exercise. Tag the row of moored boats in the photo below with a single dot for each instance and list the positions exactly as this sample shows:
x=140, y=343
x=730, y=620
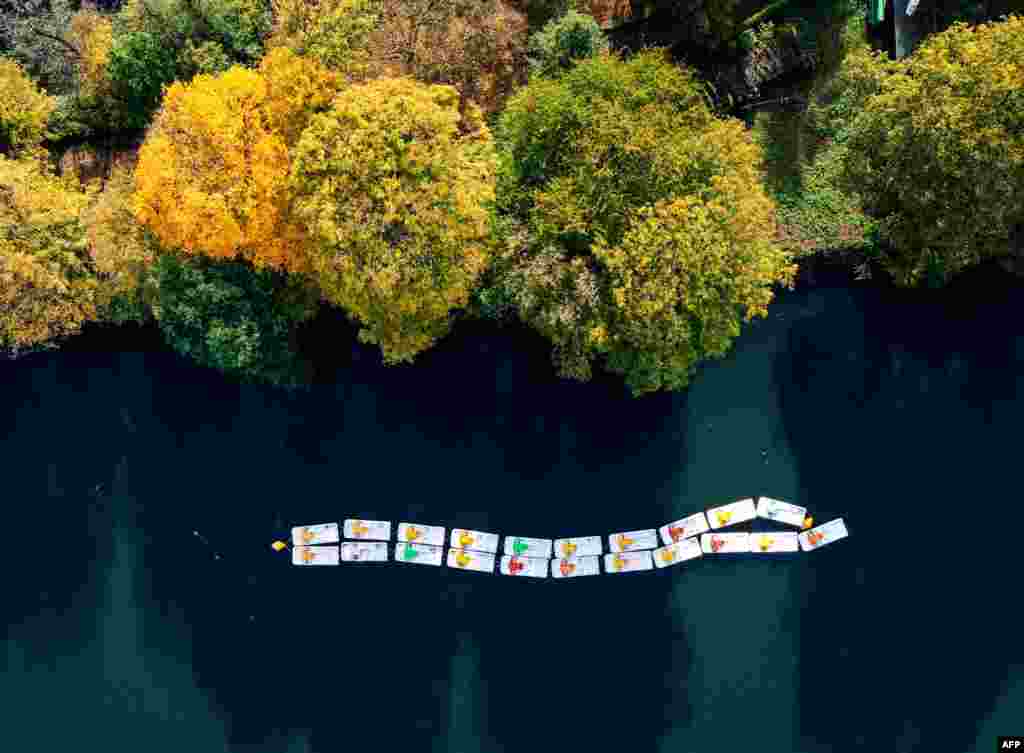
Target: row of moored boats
x=629, y=551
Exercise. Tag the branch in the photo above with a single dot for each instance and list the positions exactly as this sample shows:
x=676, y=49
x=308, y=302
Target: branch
x=68, y=45
x=780, y=101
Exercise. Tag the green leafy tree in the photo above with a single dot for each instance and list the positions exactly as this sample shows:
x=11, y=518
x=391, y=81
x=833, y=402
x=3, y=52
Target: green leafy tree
x=393, y=184
x=937, y=153
x=140, y=66
x=232, y=317
x=564, y=41
x=644, y=230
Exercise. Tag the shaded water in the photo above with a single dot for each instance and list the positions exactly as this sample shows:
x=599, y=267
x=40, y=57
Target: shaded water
x=897, y=411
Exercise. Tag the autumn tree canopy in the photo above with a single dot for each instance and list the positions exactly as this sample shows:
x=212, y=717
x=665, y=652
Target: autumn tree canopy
x=937, y=153
x=645, y=228
x=24, y=108
x=477, y=46
x=212, y=175
x=393, y=183
x=47, y=288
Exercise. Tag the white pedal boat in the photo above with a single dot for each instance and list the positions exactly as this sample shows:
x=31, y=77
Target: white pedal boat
x=413, y=533
x=776, y=541
x=633, y=541
x=315, y=555
x=681, y=551
x=783, y=512
x=530, y=567
x=364, y=551
x=581, y=546
x=474, y=540
x=628, y=562
x=575, y=567
x=321, y=533
x=824, y=534
x=419, y=554
x=523, y=546
x=464, y=559
x=692, y=525
x=725, y=543
x=368, y=530
x=735, y=512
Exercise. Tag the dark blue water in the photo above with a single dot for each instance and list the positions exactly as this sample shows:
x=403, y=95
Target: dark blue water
x=897, y=411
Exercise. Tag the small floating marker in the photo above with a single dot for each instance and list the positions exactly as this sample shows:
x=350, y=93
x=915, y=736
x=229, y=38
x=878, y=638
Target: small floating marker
x=278, y=546
x=808, y=522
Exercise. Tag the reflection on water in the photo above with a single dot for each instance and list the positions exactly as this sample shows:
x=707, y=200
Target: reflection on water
x=898, y=412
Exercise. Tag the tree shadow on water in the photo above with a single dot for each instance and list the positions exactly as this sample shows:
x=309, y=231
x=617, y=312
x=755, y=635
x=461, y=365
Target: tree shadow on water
x=900, y=413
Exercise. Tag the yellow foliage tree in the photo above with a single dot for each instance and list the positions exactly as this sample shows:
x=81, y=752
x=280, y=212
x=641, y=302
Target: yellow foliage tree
x=121, y=250
x=395, y=183
x=212, y=175
x=24, y=108
x=92, y=35
x=937, y=152
x=47, y=289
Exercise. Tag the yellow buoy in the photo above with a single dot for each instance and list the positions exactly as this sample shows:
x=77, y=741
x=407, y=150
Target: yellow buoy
x=277, y=546
x=808, y=522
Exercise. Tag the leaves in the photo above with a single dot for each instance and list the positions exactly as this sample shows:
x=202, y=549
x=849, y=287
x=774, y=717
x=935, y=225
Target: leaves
x=47, y=289
x=937, y=154
x=395, y=190
x=24, y=108
x=647, y=228
x=212, y=176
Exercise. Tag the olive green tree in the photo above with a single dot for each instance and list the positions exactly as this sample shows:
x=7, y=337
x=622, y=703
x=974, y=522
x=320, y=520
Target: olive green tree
x=937, y=152
x=644, y=231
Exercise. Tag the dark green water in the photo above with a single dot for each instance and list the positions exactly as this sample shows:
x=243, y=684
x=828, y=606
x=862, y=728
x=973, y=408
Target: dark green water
x=125, y=632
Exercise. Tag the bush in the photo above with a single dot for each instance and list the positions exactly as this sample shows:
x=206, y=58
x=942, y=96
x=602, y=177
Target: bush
x=564, y=41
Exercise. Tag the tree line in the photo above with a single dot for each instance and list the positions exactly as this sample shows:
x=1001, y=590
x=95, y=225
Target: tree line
x=407, y=160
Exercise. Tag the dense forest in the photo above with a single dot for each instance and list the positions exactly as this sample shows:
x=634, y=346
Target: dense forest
x=632, y=180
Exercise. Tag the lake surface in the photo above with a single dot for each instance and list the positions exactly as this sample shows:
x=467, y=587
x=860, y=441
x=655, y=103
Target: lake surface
x=898, y=411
